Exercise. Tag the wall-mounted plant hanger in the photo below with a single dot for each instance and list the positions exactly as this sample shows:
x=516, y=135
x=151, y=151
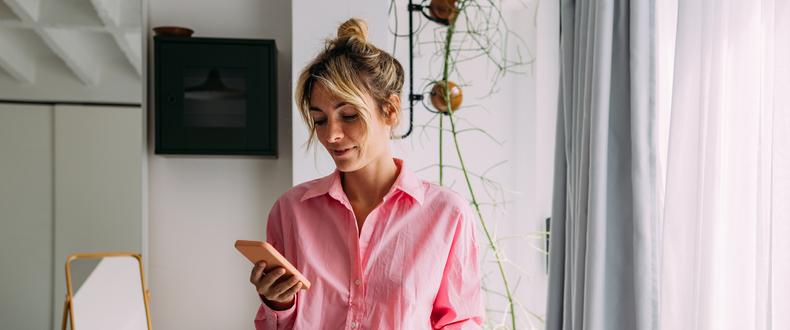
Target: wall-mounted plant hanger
x=440, y=12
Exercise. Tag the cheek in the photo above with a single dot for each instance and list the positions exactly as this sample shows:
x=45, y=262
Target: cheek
x=378, y=136
x=355, y=132
x=321, y=135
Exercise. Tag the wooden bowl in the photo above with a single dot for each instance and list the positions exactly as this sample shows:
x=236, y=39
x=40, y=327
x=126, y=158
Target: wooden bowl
x=173, y=31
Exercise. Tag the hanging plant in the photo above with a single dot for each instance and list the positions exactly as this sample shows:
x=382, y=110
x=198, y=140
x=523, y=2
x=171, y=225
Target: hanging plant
x=483, y=29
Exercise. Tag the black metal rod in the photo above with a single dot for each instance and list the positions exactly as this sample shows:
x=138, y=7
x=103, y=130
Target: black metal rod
x=412, y=97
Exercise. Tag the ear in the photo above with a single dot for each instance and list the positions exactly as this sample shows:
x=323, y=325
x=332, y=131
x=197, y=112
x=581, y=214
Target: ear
x=392, y=109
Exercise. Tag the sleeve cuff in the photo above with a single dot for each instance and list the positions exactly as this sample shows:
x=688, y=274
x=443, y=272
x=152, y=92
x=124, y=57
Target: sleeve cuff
x=279, y=312
x=268, y=318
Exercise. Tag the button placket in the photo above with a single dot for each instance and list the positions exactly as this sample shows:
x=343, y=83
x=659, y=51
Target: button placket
x=354, y=302
x=356, y=270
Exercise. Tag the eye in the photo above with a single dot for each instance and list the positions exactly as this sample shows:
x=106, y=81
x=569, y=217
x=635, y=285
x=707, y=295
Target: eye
x=350, y=117
x=319, y=121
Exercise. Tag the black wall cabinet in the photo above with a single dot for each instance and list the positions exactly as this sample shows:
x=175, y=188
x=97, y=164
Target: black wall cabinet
x=215, y=96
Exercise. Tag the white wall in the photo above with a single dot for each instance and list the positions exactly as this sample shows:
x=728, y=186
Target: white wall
x=313, y=23
x=199, y=205
x=522, y=114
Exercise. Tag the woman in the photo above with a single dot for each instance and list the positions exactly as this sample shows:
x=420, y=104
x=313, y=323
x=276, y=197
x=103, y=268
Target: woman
x=382, y=248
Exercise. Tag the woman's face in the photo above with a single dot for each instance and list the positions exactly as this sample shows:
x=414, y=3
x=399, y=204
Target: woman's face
x=341, y=130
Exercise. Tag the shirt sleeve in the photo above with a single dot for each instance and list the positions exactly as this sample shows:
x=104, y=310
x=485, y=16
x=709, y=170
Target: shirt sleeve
x=459, y=303
x=267, y=318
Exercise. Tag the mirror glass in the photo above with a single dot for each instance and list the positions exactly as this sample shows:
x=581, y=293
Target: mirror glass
x=107, y=293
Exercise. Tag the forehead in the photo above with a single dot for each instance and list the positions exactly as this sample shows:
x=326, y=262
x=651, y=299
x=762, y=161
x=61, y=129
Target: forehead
x=321, y=97
x=326, y=105
x=322, y=100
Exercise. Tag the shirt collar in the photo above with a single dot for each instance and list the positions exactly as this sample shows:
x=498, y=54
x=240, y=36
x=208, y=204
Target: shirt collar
x=407, y=181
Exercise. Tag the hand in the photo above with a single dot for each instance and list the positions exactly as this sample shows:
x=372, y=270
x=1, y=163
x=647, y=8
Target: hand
x=277, y=288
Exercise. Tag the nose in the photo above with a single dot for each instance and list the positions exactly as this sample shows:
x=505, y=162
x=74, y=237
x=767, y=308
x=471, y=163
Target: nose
x=334, y=131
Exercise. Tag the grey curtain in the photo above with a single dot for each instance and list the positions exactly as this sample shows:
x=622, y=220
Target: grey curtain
x=603, y=264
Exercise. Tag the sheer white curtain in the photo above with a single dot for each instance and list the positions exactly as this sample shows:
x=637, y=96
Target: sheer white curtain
x=726, y=239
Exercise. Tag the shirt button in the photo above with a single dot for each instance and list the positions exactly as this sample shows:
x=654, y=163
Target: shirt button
x=357, y=282
x=354, y=325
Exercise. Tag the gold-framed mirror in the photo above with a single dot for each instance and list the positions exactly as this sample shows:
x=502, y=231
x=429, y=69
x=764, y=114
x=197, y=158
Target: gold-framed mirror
x=106, y=291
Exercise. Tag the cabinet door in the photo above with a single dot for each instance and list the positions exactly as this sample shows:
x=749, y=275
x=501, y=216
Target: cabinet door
x=70, y=181
x=26, y=220
x=98, y=184
x=216, y=96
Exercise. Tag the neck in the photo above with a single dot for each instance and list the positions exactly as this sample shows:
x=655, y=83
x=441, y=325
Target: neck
x=370, y=183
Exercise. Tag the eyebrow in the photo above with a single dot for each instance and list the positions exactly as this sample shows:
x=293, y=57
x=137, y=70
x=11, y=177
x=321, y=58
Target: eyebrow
x=338, y=105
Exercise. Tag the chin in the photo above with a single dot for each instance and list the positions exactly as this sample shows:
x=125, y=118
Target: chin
x=351, y=162
x=344, y=166
x=347, y=165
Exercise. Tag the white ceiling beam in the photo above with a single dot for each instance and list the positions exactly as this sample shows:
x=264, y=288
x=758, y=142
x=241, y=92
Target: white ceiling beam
x=110, y=12
x=132, y=48
x=67, y=45
x=14, y=24
x=74, y=51
x=26, y=10
x=19, y=65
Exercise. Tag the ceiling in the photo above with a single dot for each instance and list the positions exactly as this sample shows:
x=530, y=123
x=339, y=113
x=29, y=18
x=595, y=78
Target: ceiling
x=90, y=41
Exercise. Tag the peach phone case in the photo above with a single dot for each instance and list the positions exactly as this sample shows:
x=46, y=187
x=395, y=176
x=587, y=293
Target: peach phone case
x=256, y=251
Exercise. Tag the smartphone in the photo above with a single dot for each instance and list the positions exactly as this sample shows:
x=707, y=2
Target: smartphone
x=256, y=251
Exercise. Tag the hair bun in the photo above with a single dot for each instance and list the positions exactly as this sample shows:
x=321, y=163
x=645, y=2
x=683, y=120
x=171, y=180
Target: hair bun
x=353, y=28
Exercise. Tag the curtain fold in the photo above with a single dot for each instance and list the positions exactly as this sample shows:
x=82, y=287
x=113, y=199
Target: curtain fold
x=604, y=260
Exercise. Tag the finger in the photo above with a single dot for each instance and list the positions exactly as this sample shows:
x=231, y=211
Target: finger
x=257, y=272
x=270, y=278
x=281, y=288
x=292, y=291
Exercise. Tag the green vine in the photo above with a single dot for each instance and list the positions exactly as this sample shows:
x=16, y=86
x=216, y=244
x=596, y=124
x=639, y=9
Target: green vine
x=491, y=243
x=481, y=45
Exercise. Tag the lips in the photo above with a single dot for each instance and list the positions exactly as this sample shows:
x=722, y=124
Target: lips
x=341, y=152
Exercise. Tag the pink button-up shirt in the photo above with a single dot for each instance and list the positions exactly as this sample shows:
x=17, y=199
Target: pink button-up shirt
x=413, y=265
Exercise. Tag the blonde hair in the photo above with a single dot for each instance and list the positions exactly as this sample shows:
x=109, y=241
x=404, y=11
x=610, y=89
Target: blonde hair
x=350, y=67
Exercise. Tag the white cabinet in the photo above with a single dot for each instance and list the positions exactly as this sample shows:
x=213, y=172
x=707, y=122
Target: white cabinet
x=71, y=180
